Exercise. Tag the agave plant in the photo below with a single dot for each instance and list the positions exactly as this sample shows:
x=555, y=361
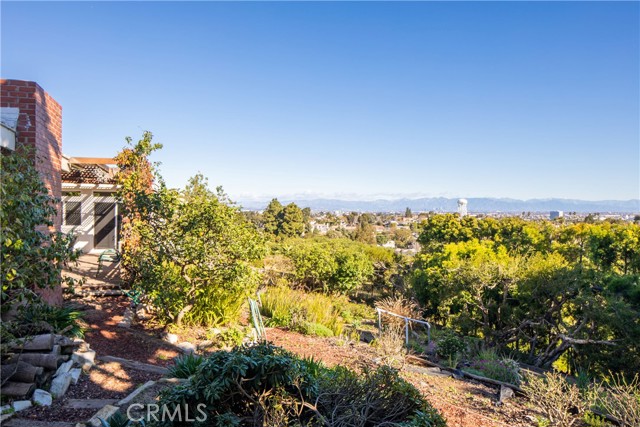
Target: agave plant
x=185, y=366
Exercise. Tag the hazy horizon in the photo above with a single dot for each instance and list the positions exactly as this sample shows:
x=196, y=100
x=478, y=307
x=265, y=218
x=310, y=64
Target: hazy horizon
x=398, y=196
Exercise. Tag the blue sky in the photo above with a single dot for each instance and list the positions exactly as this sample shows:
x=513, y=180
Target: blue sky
x=521, y=100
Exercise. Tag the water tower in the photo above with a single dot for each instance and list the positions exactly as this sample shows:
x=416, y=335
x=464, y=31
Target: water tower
x=462, y=207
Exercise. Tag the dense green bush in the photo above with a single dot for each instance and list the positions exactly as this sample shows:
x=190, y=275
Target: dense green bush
x=318, y=329
x=268, y=386
x=449, y=345
x=331, y=265
x=231, y=336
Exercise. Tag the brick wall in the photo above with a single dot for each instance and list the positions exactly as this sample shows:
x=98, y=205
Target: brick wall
x=39, y=127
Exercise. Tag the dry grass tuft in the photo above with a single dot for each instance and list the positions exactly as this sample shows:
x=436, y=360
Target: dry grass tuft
x=399, y=305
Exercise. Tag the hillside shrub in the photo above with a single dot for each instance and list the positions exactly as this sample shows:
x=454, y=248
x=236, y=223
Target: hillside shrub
x=488, y=363
x=265, y=385
x=373, y=398
x=619, y=398
x=228, y=337
x=401, y=306
x=330, y=265
x=317, y=329
x=449, y=345
x=390, y=346
x=506, y=370
x=188, y=252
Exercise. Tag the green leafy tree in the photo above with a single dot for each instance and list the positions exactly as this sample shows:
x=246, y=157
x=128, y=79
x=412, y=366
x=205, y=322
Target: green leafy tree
x=439, y=230
x=306, y=213
x=292, y=224
x=555, y=293
x=198, y=249
x=403, y=237
x=136, y=176
x=365, y=233
x=32, y=253
x=382, y=238
x=285, y=221
x=272, y=217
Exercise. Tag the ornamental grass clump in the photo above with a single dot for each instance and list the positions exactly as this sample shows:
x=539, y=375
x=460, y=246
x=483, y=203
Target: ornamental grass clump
x=309, y=313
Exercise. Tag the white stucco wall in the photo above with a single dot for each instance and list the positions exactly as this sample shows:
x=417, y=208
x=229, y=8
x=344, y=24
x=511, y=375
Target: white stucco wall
x=85, y=231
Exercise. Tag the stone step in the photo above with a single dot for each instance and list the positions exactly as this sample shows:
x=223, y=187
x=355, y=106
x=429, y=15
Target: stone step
x=102, y=293
x=24, y=422
x=89, y=403
x=134, y=364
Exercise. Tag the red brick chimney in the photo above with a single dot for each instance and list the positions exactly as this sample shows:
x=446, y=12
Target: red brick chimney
x=39, y=125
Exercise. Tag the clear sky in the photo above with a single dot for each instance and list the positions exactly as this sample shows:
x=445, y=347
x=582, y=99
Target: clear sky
x=510, y=99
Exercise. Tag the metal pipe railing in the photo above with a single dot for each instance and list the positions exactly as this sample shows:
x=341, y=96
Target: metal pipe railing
x=406, y=324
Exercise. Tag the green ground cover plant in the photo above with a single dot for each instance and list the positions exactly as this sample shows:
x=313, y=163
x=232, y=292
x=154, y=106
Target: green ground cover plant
x=268, y=386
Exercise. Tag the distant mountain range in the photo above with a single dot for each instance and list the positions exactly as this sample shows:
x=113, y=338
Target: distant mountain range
x=442, y=204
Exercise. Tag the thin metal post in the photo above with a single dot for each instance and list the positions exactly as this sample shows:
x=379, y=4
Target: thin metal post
x=406, y=331
x=115, y=220
x=379, y=320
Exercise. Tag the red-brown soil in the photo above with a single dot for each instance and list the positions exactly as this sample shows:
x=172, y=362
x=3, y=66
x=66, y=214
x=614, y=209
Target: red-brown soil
x=463, y=403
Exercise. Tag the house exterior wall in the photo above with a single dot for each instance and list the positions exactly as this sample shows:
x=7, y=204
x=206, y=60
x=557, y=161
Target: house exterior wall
x=85, y=232
x=39, y=126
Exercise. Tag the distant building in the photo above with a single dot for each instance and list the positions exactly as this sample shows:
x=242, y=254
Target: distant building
x=462, y=207
x=320, y=228
x=556, y=214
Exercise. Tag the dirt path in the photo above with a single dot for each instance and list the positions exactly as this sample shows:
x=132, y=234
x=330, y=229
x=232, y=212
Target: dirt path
x=108, y=380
